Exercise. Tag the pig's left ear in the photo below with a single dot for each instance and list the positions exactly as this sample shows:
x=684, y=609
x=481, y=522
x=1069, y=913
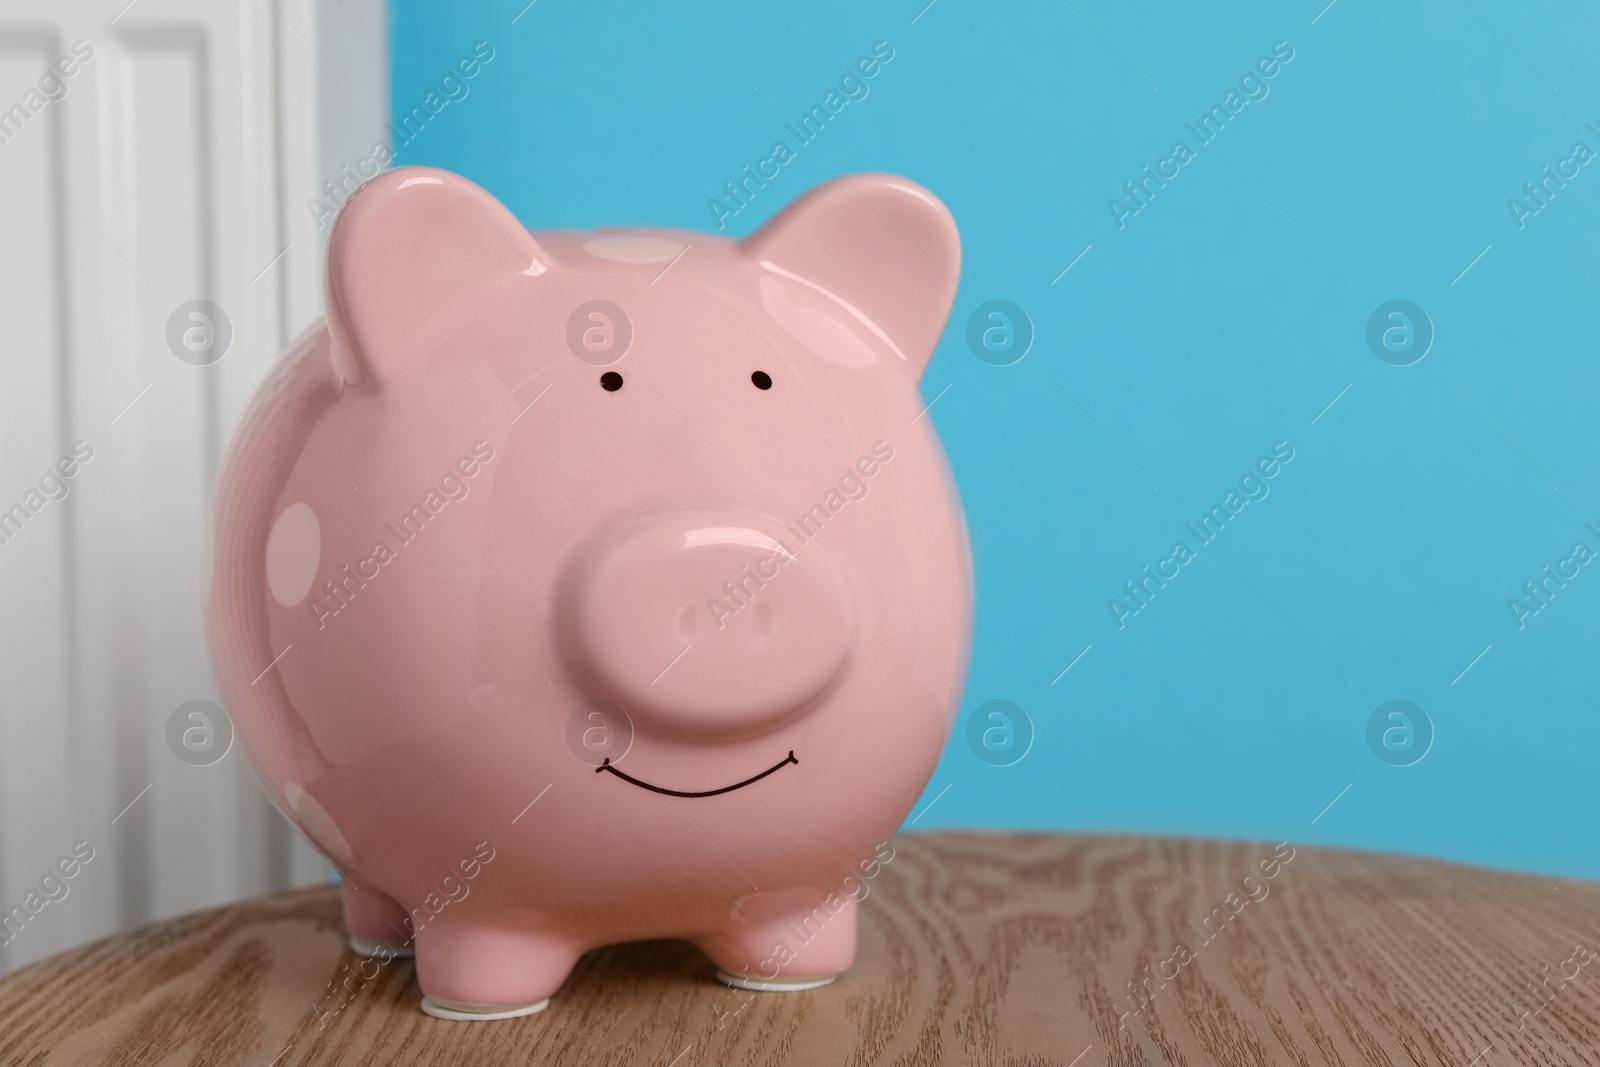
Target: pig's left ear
x=410, y=251
x=884, y=248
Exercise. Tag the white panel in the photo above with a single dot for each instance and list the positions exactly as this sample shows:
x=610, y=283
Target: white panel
x=184, y=152
x=158, y=510
x=36, y=739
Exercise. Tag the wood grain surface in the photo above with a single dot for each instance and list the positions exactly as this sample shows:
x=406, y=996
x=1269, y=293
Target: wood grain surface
x=1008, y=949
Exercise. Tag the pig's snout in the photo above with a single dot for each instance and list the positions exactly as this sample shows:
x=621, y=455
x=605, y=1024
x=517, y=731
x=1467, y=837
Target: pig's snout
x=707, y=621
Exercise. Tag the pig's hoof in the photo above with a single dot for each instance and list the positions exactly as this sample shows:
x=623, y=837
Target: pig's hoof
x=374, y=947
x=784, y=983
x=462, y=1011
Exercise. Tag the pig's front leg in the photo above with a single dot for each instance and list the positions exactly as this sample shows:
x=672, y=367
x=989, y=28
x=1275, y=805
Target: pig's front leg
x=472, y=972
x=785, y=940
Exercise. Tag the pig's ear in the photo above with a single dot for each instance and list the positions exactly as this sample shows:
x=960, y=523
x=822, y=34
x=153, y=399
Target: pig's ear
x=882, y=247
x=409, y=251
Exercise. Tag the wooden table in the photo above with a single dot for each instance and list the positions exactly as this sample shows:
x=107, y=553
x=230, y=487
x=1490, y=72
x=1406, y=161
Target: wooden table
x=1009, y=949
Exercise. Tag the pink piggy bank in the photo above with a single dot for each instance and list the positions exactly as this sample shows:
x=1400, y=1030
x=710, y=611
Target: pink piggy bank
x=576, y=588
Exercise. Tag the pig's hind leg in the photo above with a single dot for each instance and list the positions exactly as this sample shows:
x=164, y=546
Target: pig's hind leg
x=376, y=923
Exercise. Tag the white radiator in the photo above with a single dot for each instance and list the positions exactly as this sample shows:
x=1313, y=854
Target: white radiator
x=149, y=156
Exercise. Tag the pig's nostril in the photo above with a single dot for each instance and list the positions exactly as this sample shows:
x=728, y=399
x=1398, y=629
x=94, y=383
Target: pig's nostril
x=611, y=381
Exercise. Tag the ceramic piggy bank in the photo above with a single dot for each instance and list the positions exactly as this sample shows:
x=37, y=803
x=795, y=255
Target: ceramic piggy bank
x=576, y=588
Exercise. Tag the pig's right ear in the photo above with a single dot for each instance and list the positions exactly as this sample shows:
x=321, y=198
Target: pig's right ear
x=409, y=251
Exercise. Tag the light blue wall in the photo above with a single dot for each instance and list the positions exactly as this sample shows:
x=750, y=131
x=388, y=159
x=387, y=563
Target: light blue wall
x=1218, y=321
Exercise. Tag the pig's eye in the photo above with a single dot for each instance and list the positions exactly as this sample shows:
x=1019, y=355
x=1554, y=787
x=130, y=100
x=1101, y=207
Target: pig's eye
x=611, y=381
x=762, y=379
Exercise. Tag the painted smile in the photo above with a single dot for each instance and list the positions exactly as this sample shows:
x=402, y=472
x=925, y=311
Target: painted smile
x=774, y=769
